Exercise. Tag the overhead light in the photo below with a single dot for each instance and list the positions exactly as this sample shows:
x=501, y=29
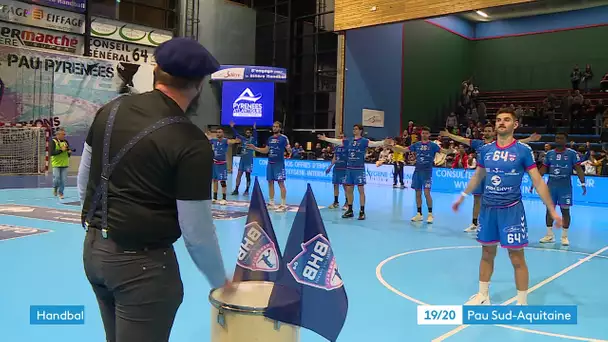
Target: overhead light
x=481, y=13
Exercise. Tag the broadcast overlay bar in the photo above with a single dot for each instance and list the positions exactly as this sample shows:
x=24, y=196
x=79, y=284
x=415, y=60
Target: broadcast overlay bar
x=496, y=314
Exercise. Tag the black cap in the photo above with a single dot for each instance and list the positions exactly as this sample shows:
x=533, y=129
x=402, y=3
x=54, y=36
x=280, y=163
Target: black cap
x=185, y=58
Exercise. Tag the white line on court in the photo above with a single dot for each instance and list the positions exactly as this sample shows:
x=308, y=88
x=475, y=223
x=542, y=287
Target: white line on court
x=531, y=331
x=530, y=290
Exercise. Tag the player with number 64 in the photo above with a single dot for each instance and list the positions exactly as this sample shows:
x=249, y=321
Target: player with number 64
x=502, y=219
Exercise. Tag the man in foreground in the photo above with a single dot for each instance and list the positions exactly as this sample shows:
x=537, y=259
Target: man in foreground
x=502, y=218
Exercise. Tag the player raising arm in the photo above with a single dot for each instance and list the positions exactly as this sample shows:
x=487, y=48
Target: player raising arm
x=275, y=148
x=422, y=178
x=355, y=166
x=501, y=165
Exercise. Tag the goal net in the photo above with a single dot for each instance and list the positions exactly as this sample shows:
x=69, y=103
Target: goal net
x=23, y=150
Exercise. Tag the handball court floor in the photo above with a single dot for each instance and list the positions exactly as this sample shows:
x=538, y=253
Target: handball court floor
x=388, y=265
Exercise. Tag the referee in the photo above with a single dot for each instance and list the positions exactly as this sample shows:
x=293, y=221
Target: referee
x=144, y=181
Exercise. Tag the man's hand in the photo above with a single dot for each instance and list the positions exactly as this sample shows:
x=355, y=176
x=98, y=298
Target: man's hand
x=251, y=146
x=321, y=137
x=457, y=204
x=231, y=123
x=444, y=133
x=557, y=219
x=584, y=189
x=229, y=287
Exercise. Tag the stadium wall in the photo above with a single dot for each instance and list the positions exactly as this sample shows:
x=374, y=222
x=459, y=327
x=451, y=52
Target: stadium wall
x=372, y=80
x=435, y=62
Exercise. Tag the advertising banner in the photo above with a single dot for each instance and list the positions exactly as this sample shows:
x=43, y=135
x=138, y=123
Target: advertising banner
x=130, y=33
x=61, y=90
x=70, y=5
x=250, y=73
x=122, y=52
x=28, y=37
x=444, y=179
x=247, y=103
x=49, y=18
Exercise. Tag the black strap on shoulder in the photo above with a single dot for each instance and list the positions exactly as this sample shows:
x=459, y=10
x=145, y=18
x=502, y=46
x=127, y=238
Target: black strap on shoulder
x=101, y=192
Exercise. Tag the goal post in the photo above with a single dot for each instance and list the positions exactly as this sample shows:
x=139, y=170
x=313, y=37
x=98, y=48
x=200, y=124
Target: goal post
x=24, y=149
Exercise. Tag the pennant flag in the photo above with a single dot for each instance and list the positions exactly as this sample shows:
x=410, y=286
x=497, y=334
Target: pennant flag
x=312, y=271
x=259, y=255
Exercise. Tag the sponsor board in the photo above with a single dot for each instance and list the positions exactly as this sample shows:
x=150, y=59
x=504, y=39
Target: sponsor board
x=71, y=5
x=38, y=38
x=121, y=51
x=56, y=89
x=49, y=18
x=249, y=73
x=444, y=179
x=130, y=33
x=9, y=232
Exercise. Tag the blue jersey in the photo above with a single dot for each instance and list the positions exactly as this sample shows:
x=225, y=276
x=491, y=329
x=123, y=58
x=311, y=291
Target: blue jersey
x=559, y=166
x=356, y=149
x=220, y=147
x=505, y=168
x=341, y=154
x=277, y=145
x=253, y=140
x=425, y=154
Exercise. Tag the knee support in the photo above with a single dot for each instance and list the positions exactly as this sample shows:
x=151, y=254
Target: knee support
x=223, y=183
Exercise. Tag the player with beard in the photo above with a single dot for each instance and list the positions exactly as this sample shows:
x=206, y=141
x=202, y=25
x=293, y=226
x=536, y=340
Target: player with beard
x=502, y=219
x=422, y=178
x=559, y=163
x=220, y=171
x=339, y=175
x=275, y=171
x=355, y=166
x=489, y=135
x=246, y=162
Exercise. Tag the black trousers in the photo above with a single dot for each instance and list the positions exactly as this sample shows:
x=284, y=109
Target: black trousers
x=138, y=292
x=398, y=173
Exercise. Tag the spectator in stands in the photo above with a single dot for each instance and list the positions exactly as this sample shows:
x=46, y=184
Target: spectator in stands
x=587, y=77
x=451, y=122
x=576, y=109
x=482, y=112
x=599, y=111
x=297, y=152
x=460, y=111
x=575, y=77
x=470, y=132
x=406, y=140
x=461, y=159
x=410, y=127
x=472, y=161
x=318, y=151
x=591, y=165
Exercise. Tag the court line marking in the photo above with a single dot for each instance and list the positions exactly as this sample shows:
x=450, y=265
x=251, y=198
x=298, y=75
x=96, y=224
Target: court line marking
x=531, y=331
x=530, y=290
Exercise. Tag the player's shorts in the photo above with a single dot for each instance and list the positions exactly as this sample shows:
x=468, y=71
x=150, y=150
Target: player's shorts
x=561, y=196
x=422, y=179
x=220, y=172
x=339, y=176
x=506, y=226
x=479, y=189
x=275, y=172
x=355, y=177
x=246, y=165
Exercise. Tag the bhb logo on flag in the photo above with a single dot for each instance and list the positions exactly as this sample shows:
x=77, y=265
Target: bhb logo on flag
x=258, y=252
x=316, y=265
x=246, y=103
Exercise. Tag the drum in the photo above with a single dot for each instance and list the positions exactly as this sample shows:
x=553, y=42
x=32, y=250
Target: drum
x=239, y=317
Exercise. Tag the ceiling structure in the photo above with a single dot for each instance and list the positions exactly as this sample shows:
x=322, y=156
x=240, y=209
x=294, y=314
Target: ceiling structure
x=531, y=9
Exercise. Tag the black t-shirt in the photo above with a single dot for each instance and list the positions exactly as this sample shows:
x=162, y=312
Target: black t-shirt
x=172, y=163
